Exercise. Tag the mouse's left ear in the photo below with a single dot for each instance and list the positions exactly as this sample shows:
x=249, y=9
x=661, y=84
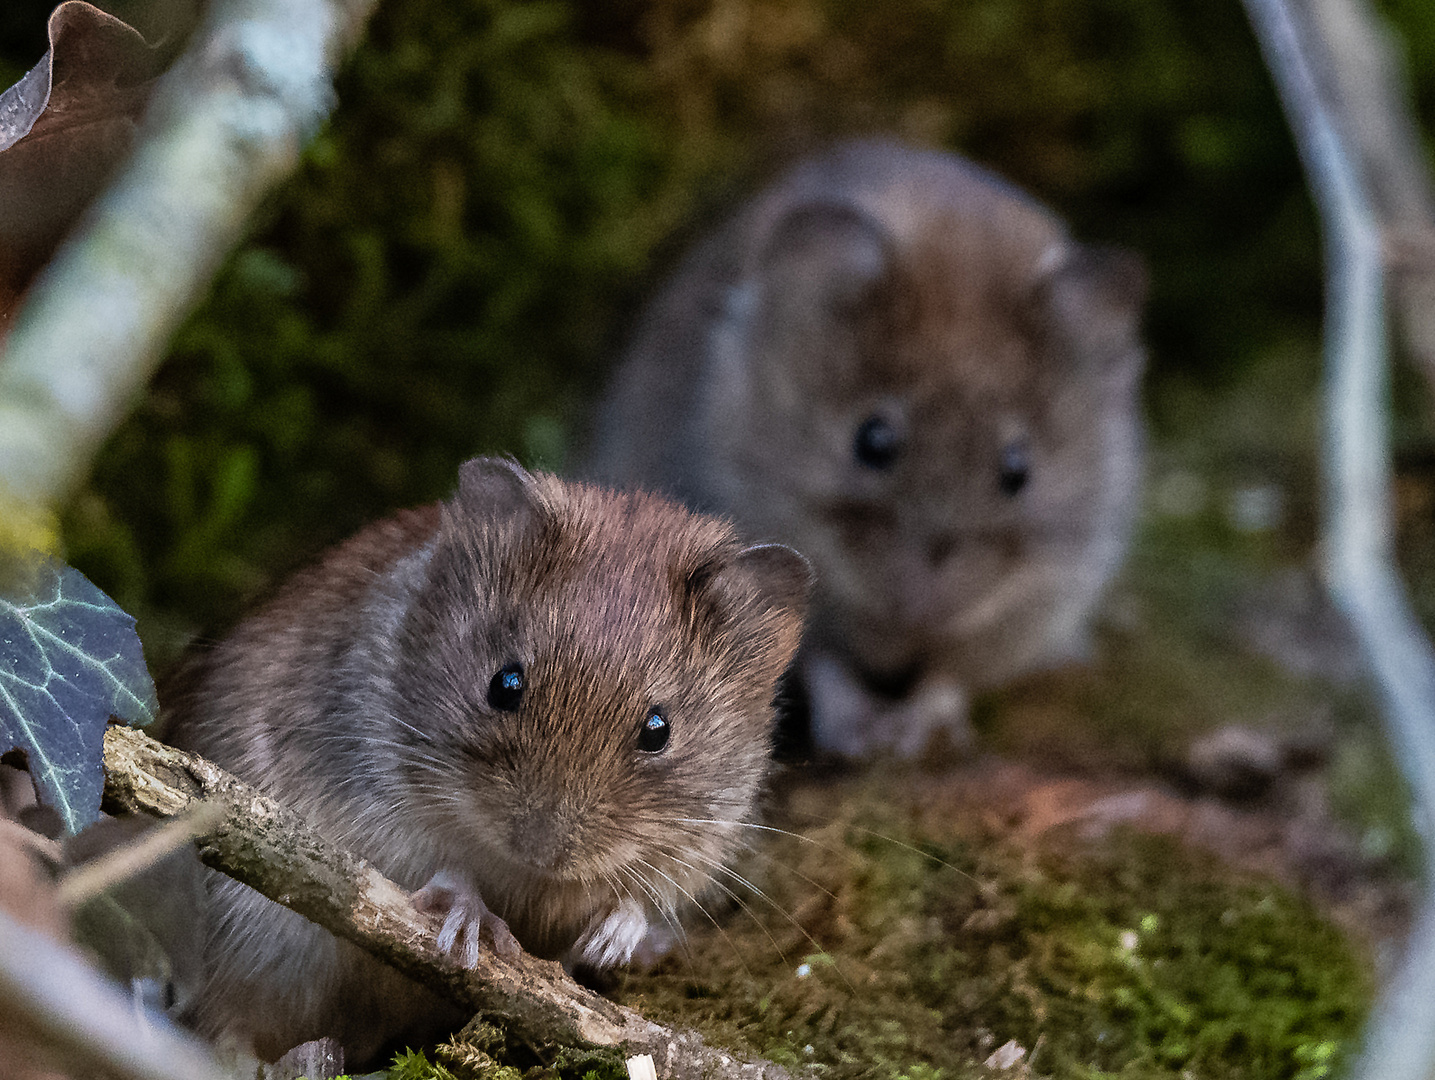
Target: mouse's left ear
x=782, y=575
x=496, y=487
x=1094, y=293
x=755, y=599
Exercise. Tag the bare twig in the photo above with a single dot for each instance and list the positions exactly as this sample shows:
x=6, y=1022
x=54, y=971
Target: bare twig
x=89, y=879
x=1370, y=92
x=272, y=850
x=1358, y=526
x=43, y=846
x=225, y=123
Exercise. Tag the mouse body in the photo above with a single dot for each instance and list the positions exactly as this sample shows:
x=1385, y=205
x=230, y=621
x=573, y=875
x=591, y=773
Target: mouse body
x=544, y=706
x=904, y=367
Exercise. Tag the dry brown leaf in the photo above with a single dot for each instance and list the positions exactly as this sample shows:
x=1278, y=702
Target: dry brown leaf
x=63, y=129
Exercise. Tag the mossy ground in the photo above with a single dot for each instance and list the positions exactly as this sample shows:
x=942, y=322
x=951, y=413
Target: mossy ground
x=907, y=936
x=888, y=926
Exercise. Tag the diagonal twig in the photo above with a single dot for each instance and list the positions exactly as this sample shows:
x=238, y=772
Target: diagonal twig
x=226, y=122
x=271, y=849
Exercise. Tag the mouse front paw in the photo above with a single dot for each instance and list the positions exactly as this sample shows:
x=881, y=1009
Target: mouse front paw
x=849, y=719
x=613, y=938
x=464, y=915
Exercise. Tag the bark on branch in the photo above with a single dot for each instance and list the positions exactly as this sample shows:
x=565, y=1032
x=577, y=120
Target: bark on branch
x=269, y=848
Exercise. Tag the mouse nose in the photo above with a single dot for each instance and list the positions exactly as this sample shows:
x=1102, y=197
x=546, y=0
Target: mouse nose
x=544, y=837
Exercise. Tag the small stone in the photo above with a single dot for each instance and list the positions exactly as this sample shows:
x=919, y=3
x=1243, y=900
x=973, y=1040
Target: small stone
x=321, y=1059
x=1005, y=1056
x=1235, y=762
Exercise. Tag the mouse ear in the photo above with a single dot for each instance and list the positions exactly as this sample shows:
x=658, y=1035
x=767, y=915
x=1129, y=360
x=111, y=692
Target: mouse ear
x=783, y=576
x=825, y=258
x=1096, y=292
x=495, y=487
x=1111, y=280
x=756, y=599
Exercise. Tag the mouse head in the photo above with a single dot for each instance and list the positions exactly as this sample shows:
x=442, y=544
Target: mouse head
x=928, y=388
x=591, y=676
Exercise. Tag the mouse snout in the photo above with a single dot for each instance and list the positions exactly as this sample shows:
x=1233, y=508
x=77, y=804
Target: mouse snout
x=545, y=836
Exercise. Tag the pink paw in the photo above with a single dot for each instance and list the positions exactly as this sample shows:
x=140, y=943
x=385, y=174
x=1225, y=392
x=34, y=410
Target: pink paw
x=464, y=914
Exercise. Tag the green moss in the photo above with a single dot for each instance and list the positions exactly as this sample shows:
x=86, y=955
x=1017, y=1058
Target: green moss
x=899, y=942
x=482, y=1051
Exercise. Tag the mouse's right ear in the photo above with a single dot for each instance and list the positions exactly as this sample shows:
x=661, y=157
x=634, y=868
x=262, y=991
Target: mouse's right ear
x=496, y=487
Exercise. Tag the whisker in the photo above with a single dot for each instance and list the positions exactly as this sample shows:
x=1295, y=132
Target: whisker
x=693, y=900
x=663, y=908
x=719, y=867
x=424, y=735
x=738, y=900
x=829, y=849
x=773, y=860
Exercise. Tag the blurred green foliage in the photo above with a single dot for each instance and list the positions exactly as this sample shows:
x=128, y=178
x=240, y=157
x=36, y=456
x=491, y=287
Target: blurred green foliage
x=455, y=259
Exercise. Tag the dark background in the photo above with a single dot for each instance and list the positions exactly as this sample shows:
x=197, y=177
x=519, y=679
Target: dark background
x=454, y=262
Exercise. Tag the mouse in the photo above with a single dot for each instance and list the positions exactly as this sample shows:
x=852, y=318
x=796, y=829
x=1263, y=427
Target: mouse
x=542, y=706
x=905, y=367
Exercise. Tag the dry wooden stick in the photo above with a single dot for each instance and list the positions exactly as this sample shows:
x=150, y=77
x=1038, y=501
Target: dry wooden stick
x=269, y=848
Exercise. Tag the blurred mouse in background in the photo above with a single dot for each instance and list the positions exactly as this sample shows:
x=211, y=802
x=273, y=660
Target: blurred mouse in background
x=904, y=367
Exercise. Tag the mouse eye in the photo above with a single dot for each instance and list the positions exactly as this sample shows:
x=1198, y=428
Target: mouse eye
x=1015, y=467
x=505, y=691
x=653, y=732
x=876, y=443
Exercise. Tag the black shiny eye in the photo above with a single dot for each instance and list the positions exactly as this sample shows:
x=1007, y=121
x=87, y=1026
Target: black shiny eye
x=876, y=443
x=1015, y=467
x=505, y=691
x=653, y=733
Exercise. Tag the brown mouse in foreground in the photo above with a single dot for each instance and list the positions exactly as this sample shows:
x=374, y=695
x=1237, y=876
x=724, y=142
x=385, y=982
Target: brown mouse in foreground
x=906, y=369
x=544, y=705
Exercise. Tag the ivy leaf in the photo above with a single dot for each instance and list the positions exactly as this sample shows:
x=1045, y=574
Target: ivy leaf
x=69, y=660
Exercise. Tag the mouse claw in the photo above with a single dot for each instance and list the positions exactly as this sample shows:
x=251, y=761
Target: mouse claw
x=464, y=915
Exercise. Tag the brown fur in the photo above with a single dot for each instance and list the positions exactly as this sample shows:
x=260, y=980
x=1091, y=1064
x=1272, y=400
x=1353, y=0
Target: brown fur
x=883, y=281
x=359, y=695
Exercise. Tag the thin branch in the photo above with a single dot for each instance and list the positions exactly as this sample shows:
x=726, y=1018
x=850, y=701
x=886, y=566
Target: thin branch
x=90, y=879
x=1371, y=94
x=271, y=849
x=225, y=124
x=1358, y=525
